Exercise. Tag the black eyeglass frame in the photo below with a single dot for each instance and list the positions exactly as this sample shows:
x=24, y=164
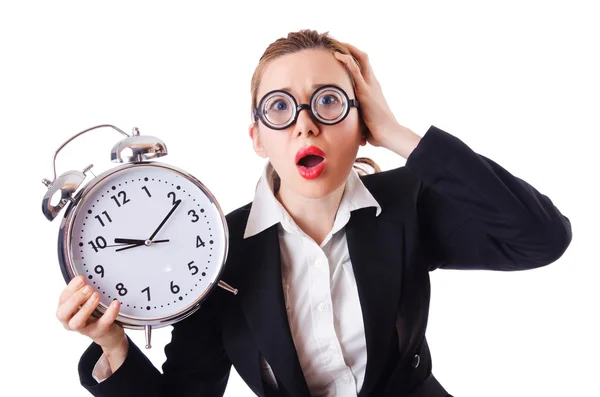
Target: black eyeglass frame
x=258, y=114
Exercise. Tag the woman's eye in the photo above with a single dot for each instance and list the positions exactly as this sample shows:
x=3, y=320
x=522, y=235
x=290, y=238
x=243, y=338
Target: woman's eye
x=328, y=100
x=279, y=105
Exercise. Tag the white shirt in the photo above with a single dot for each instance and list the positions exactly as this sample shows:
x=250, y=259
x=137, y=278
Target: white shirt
x=320, y=291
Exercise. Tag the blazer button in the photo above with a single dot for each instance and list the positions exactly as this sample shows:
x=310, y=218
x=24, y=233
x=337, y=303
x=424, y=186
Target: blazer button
x=416, y=361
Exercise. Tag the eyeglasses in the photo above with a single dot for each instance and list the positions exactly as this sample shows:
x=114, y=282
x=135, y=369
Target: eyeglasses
x=329, y=105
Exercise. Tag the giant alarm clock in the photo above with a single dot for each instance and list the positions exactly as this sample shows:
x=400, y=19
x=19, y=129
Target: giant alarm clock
x=144, y=232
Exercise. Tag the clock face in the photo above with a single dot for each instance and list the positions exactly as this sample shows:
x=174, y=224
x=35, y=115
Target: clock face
x=150, y=237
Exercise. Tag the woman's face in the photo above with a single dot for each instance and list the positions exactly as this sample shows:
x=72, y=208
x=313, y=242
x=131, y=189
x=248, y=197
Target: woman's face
x=300, y=74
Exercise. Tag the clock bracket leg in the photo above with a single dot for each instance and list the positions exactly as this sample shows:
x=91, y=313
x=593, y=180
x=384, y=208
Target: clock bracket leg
x=148, y=331
x=227, y=287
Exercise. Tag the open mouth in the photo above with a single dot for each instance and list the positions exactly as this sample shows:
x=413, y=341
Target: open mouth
x=310, y=161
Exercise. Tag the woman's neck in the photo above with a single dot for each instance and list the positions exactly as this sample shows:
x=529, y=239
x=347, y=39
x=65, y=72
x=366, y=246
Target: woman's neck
x=314, y=216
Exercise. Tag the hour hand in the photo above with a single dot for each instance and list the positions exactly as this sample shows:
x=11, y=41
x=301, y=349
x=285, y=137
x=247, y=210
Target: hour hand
x=136, y=241
x=129, y=241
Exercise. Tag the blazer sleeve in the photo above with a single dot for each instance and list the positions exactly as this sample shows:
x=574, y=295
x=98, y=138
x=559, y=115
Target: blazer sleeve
x=474, y=214
x=196, y=363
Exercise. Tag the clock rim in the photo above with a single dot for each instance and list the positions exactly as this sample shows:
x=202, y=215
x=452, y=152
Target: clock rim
x=65, y=253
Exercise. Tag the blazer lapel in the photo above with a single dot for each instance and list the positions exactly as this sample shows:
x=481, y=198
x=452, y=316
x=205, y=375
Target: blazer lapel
x=264, y=308
x=376, y=250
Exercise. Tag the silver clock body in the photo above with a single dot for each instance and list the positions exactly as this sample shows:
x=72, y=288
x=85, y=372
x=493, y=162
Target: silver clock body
x=157, y=284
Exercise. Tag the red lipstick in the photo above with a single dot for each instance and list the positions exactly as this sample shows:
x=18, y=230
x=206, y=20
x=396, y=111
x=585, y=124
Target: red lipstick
x=310, y=162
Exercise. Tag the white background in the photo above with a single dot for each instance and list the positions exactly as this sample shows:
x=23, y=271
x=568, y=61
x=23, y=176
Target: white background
x=518, y=81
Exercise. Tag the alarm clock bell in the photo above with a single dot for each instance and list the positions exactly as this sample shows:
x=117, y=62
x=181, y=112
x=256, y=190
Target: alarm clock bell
x=133, y=148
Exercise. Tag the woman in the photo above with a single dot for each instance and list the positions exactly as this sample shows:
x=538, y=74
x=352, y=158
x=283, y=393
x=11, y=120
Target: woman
x=332, y=267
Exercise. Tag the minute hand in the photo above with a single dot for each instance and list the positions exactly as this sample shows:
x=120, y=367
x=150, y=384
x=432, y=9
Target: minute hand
x=165, y=220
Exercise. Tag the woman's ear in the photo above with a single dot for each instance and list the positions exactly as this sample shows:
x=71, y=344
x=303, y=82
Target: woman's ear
x=256, y=140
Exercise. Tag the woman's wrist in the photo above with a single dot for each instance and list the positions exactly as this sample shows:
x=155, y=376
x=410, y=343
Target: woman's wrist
x=116, y=353
x=401, y=140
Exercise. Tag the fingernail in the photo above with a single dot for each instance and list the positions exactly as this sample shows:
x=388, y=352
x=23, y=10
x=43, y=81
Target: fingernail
x=78, y=281
x=86, y=290
x=115, y=303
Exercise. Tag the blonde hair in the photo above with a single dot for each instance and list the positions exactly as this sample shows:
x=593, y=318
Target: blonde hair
x=294, y=42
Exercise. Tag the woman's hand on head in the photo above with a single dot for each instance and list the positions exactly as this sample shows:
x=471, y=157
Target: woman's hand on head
x=375, y=111
x=384, y=129
x=76, y=304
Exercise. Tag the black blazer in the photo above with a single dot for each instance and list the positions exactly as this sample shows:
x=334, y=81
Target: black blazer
x=448, y=207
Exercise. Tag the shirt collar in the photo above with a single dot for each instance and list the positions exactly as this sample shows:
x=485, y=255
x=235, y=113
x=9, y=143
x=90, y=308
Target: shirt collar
x=267, y=211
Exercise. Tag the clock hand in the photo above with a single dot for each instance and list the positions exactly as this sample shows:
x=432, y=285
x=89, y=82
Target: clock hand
x=139, y=243
x=129, y=241
x=136, y=241
x=126, y=247
x=166, y=217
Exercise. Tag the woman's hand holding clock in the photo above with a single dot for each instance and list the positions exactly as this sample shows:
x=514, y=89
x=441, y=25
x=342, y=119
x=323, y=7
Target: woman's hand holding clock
x=76, y=304
x=78, y=301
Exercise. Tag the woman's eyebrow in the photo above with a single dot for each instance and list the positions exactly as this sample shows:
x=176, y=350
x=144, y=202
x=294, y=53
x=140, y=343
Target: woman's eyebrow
x=313, y=87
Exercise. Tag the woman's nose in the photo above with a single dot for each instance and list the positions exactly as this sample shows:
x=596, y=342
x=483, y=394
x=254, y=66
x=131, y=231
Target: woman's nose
x=305, y=123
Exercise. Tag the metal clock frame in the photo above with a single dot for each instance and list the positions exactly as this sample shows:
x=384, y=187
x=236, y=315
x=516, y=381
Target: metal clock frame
x=140, y=149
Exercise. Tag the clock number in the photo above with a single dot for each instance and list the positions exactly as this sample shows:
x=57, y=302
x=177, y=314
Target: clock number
x=125, y=199
x=174, y=197
x=99, y=270
x=147, y=192
x=199, y=242
x=174, y=288
x=100, y=243
x=121, y=289
x=194, y=215
x=193, y=268
x=100, y=219
x=147, y=289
